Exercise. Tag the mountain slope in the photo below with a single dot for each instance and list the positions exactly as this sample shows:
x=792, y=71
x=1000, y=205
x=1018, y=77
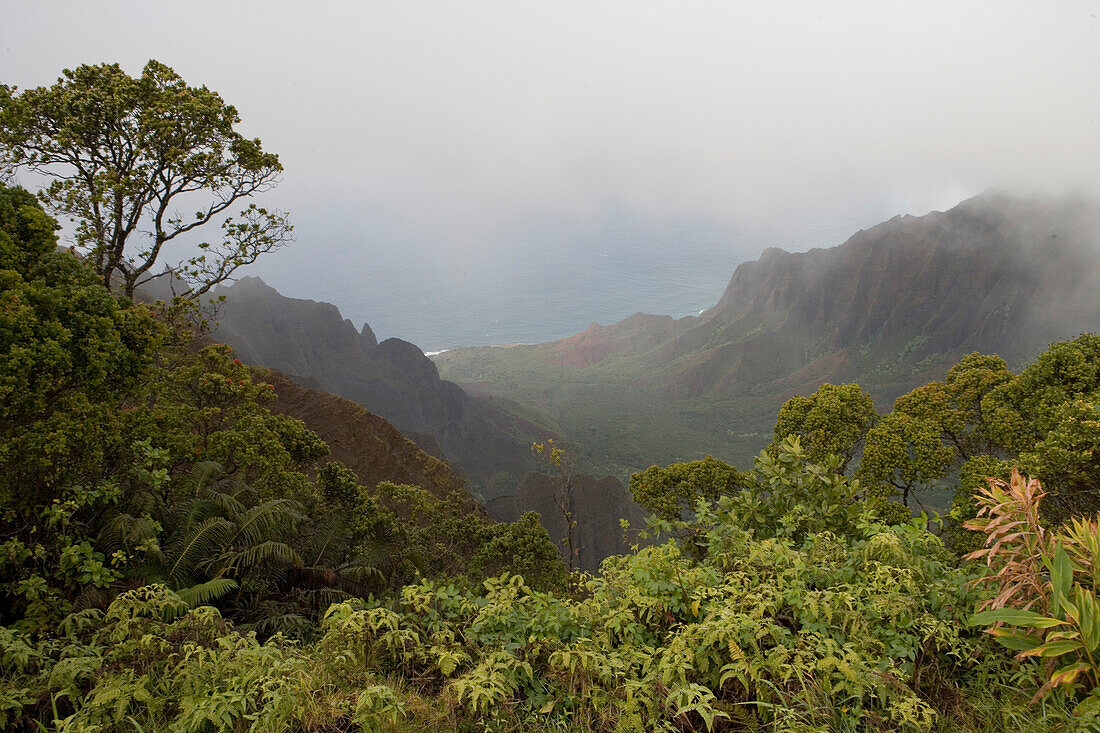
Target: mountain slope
x=313, y=344
x=598, y=505
x=375, y=450
x=891, y=308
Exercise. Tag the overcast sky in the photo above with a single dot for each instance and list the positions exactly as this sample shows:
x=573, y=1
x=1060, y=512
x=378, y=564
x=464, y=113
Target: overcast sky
x=458, y=124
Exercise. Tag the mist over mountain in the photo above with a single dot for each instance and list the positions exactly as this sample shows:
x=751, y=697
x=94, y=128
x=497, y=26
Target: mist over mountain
x=891, y=308
x=484, y=440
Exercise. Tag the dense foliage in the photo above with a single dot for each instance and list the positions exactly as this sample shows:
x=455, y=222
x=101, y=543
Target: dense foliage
x=125, y=156
x=858, y=627
x=175, y=556
x=131, y=458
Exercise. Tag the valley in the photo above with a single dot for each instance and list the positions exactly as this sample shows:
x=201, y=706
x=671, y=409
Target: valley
x=890, y=309
x=786, y=431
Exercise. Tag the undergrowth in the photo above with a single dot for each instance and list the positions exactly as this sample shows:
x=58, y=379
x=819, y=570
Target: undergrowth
x=742, y=627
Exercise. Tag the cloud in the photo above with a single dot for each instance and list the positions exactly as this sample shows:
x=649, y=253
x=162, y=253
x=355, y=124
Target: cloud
x=453, y=122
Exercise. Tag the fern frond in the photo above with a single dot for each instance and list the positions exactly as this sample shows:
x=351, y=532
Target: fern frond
x=243, y=493
x=262, y=520
x=289, y=623
x=225, y=504
x=203, y=593
x=361, y=572
x=202, y=541
x=205, y=473
x=123, y=531
x=254, y=555
x=322, y=535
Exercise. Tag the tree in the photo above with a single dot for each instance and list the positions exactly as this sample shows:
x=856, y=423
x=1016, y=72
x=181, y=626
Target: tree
x=936, y=427
x=788, y=495
x=1048, y=416
x=955, y=405
x=667, y=491
x=70, y=355
x=207, y=407
x=71, y=358
x=127, y=156
x=906, y=453
x=563, y=474
x=833, y=420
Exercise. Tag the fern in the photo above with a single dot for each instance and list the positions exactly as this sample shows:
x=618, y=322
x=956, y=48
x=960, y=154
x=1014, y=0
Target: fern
x=198, y=542
x=262, y=520
x=203, y=593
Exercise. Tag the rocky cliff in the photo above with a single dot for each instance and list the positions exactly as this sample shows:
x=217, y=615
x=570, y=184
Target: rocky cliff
x=994, y=274
x=371, y=447
x=315, y=346
x=891, y=308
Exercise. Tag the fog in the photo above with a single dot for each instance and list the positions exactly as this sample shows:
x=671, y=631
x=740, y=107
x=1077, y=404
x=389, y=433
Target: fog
x=458, y=131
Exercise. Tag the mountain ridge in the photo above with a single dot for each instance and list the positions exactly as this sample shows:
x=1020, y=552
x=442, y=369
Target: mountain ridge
x=890, y=308
x=315, y=346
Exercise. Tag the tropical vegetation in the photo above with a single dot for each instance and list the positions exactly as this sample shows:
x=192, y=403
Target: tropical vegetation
x=176, y=556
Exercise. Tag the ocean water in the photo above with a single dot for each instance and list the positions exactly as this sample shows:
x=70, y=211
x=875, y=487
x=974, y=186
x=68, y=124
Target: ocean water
x=535, y=284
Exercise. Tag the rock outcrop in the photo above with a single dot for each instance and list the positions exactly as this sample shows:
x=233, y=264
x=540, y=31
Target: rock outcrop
x=315, y=346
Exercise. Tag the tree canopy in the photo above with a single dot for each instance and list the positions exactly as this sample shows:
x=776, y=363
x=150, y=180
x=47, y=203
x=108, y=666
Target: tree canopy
x=666, y=491
x=833, y=420
x=141, y=164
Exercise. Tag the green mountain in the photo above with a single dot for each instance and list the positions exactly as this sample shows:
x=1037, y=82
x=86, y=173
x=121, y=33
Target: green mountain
x=314, y=345
x=486, y=439
x=891, y=308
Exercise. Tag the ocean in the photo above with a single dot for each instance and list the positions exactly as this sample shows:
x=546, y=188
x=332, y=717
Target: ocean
x=538, y=285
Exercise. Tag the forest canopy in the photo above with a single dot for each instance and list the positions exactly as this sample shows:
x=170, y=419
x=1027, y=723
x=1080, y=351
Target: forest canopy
x=175, y=555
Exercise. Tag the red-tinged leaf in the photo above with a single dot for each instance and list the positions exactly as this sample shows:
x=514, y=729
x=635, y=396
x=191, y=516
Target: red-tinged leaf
x=1064, y=676
x=1015, y=641
x=1053, y=649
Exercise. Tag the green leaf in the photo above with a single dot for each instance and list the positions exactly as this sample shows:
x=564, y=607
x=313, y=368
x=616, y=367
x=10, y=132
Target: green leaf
x=1061, y=576
x=1015, y=641
x=1088, y=618
x=1014, y=617
x=1054, y=648
x=204, y=593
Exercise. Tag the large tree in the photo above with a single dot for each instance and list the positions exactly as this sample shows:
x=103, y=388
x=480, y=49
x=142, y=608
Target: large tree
x=139, y=164
x=72, y=358
x=834, y=419
x=936, y=428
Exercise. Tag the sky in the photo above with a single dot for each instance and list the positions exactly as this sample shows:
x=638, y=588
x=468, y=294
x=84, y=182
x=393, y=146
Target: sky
x=462, y=133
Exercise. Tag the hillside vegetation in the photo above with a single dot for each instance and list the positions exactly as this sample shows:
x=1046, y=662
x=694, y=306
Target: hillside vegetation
x=177, y=557
x=180, y=552
x=892, y=308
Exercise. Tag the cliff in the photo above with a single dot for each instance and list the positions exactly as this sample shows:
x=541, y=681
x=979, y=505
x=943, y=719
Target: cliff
x=891, y=308
x=315, y=346
x=371, y=447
